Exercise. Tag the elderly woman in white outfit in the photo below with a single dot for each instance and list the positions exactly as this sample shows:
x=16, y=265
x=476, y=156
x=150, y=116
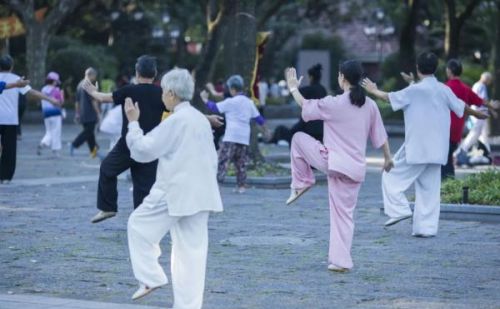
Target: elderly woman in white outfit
x=179, y=202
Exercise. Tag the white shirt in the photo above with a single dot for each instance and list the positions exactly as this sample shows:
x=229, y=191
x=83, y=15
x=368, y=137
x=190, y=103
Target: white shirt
x=186, y=177
x=481, y=90
x=426, y=106
x=9, y=100
x=239, y=110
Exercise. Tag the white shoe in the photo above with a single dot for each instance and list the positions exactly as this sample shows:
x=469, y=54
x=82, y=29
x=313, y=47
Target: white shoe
x=103, y=215
x=337, y=269
x=295, y=194
x=393, y=221
x=143, y=291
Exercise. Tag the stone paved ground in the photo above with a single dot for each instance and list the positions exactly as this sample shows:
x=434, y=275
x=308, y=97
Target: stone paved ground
x=262, y=254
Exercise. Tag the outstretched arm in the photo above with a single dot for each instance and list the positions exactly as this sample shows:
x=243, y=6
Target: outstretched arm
x=101, y=97
x=372, y=88
x=293, y=85
x=474, y=113
x=40, y=96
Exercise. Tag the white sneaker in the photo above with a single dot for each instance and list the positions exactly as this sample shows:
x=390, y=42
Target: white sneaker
x=103, y=215
x=393, y=221
x=337, y=269
x=142, y=291
x=295, y=194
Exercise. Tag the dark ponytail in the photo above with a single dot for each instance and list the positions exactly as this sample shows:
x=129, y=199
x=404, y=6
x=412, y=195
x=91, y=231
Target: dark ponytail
x=353, y=73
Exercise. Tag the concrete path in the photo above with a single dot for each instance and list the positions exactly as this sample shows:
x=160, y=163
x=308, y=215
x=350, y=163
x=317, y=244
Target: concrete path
x=262, y=254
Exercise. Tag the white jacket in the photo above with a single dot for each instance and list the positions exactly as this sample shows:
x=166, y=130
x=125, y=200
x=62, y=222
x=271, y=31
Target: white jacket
x=186, y=178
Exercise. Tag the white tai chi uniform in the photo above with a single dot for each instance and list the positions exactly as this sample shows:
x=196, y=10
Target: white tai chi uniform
x=426, y=106
x=185, y=191
x=480, y=127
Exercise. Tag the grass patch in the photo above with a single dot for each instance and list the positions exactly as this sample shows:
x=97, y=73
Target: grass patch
x=484, y=188
x=261, y=170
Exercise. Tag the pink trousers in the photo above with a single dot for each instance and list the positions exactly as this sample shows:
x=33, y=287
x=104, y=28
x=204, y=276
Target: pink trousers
x=342, y=192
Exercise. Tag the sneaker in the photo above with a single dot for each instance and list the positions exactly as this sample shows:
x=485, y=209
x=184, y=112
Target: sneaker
x=393, y=221
x=143, y=290
x=93, y=153
x=103, y=215
x=337, y=269
x=5, y=182
x=295, y=194
x=71, y=150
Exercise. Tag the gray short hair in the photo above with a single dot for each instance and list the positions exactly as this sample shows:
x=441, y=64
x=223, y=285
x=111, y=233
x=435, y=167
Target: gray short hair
x=180, y=82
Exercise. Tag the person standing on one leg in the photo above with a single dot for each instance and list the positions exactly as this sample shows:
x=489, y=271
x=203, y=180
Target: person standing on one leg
x=87, y=114
x=118, y=159
x=9, y=117
x=239, y=111
x=349, y=120
x=184, y=193
x=426, y=107
x=52, y=115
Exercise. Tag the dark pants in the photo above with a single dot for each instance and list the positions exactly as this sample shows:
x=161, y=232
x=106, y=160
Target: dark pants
x=20, y=111
x=87, y=135
x=310, y=128
x=9, y=151
x=116, y=162
x=448, y=170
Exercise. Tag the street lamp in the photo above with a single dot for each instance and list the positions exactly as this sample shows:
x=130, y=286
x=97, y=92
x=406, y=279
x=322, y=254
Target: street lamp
x=380, y=28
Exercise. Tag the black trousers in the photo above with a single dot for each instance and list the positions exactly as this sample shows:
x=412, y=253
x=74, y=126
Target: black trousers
x=448, y=170
x=116, y=162
x=87, y=135
x=9, y=151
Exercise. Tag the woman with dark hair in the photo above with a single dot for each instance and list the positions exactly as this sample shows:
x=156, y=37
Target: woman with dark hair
x=349, y=120
x=314, y=128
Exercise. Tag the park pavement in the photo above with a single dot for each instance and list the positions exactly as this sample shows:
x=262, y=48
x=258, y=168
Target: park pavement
x=262, y=254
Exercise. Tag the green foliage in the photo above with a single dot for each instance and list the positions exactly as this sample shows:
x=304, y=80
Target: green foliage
x=71, y=57
x=484, y=188
x=333, y=45
x=386, y=111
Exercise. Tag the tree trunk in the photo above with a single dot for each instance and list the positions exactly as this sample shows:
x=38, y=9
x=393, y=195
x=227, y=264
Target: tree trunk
x=240, y=47
x=215, y=33
x=495, y=123
x=37, y=45
x=407, y=40
x=451, y=39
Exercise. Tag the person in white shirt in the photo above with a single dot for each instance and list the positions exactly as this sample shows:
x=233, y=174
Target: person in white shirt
x=480, y=128
x=426, y=106
x=9, y=117
x=180, y=200
x=239, y=111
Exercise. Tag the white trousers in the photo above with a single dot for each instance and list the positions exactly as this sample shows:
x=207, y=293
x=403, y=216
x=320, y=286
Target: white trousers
x=427, y=180
x=478, y=132
x=147, y=225
x=53, y=129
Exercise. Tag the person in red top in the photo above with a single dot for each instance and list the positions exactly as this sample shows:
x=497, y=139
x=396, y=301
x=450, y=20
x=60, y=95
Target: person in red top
x=465, y=93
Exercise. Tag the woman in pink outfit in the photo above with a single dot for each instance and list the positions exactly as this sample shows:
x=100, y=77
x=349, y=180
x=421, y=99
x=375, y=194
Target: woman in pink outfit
x=349, y=120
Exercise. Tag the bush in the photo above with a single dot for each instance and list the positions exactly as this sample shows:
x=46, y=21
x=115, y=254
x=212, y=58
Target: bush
x=484, y=188
x=71, y=57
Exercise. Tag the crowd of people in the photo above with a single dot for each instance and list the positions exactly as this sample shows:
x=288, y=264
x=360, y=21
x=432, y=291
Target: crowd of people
x=169, y=148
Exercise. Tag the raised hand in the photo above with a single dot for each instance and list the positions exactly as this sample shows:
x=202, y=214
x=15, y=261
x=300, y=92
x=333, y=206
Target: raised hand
x=131, y=110
x=369, y=85
x=89, y=87
x=409, y=78
x=291, y=79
